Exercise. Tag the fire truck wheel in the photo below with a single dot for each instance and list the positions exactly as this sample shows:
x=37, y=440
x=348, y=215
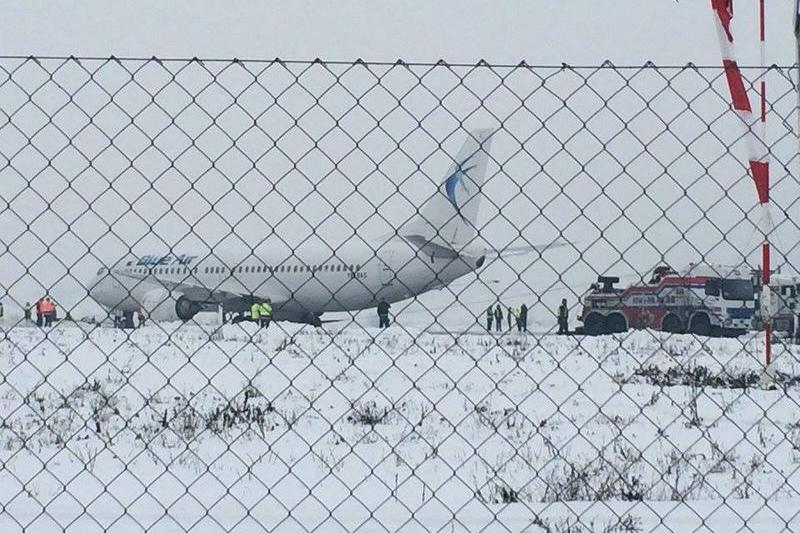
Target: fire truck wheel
x=701, y=325
x=595, y=324
x=671, y=324
x=615, y=323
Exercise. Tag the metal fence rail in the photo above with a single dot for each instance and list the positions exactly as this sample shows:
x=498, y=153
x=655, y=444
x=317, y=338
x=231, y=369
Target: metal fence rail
x=471, y=200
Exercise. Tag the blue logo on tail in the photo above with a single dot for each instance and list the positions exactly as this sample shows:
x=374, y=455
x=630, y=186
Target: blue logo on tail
x=453, y=180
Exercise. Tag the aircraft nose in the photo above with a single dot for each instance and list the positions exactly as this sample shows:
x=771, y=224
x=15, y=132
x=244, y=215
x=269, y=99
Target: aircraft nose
x=97, y=289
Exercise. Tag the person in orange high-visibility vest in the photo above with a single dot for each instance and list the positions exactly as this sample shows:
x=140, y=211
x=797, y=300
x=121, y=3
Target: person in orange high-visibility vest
x=47, y=312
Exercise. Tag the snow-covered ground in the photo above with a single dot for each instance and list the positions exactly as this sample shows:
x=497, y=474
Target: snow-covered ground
x=197, y=428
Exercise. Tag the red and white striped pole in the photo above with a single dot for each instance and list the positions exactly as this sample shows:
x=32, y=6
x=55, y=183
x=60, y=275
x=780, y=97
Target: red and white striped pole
x=757, y=150
x=766, y=220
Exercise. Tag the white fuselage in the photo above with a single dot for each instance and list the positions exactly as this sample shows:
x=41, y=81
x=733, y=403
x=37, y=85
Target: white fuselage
x=310, y=281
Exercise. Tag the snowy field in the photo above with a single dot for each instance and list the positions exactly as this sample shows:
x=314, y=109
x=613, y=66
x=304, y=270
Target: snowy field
x=196, y=428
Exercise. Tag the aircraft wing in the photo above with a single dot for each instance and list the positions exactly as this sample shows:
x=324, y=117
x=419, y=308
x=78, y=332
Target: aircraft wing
x=522, y=250
x=229, y=289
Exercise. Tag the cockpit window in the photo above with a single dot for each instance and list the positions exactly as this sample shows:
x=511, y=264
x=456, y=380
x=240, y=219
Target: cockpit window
x=737, y=289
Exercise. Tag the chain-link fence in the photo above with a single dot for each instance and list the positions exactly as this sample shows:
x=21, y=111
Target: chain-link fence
x=321, y=296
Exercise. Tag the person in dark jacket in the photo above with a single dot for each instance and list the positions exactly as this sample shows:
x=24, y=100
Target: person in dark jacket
x=489, y=318
x=383, y=314
x=39, y=312
x=563, y=318
x=498, y=318
x=523, y=318
x=509, y=318
x=797, y=328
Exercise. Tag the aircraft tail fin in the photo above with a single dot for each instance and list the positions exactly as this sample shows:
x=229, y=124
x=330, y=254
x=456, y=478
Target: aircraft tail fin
x=450, y=216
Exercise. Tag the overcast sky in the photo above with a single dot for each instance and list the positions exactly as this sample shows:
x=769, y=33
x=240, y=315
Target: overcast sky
x=538, y=31
x=578, y=32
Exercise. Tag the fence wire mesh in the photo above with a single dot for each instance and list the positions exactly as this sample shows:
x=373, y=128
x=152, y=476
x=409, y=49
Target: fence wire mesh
x=161, y=204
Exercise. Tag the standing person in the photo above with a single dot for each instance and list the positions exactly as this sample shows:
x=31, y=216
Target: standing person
x=498, y=318
x=53, y=317
x=517, y=320
x=797, y=328
x=140, y=318
x=255, y=312
x=39, y=312
x=47, y=317
x=510, y=312
x=265, y=313
x=383, y=314
x=2, y=311
x=28, y=311
x=489, y=318
x=523, y=318
x=563, y=318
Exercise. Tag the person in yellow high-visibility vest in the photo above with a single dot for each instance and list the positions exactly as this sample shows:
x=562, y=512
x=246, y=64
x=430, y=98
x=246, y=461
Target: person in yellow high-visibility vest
x=265, y=312
x=255, y=312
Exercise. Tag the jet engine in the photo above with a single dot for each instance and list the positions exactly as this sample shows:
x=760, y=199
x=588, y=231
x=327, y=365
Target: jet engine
x=163, y=305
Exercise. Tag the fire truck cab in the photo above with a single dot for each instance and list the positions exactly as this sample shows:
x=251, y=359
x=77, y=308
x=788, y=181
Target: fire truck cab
x=701, y=299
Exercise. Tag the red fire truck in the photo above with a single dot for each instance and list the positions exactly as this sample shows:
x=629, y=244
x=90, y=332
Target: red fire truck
x=702, y=299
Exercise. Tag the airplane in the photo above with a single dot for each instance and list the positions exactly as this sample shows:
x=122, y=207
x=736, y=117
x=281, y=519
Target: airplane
x=433, y=249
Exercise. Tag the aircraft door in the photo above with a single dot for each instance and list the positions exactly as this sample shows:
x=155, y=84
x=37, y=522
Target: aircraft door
x=386, y=265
